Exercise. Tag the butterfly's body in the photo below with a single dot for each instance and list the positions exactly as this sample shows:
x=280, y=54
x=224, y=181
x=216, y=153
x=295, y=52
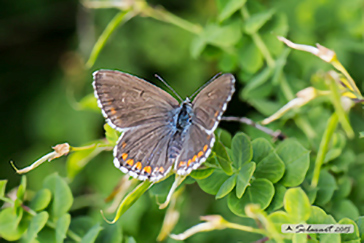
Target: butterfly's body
x=159, y=133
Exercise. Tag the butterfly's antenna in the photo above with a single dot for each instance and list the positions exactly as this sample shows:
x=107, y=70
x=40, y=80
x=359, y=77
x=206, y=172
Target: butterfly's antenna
x=203, y=86
x=165, y=83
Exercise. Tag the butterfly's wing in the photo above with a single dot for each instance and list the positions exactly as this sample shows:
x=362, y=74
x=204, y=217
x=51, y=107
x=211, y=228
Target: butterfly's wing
x=208, y=107
x=144, y=113
x=211, y=102
x=127, y=101
x=143, y=153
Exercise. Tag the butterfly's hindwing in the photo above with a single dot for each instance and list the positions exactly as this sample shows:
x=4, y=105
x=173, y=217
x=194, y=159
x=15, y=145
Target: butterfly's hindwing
x=142, y=152
x=127, y=101
x=196, y=149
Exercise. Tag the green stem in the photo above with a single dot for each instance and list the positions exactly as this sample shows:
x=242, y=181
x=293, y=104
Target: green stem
x=259, y=42
x=119, y=18
x=336, y=100
x=165, y=16
x=331, y=126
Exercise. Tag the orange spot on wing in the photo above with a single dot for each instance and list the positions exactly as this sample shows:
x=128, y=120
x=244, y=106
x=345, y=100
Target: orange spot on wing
x=182, y=163
x=161, y=170
x=123, y=144
x=112, y=110
x=194, y=158
x=189, y=162
x=130, y=162
x=124, y=156
x=147, y=169
x=200, y=154
x=138, y=165
x=216, y=113
x=205, y=148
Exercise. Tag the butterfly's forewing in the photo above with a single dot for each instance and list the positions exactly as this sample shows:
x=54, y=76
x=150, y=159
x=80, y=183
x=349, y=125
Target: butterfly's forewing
x=208, y=107
x=143, y=153
x=127, y=101
x=211, y=102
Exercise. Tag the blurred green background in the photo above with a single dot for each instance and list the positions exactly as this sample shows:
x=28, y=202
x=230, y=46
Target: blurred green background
x=43, y=48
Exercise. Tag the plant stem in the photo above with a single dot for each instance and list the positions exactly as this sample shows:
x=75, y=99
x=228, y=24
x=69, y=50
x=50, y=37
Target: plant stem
x=336, y=100
x=331, y=126
x=121, y=17
x=259, y=42
x=165, y=16
x=275, y=134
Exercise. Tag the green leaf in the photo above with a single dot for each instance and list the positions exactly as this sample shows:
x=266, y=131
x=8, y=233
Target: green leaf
x=79, y=159
x=41, y=200
x=82, y=224
x=332, y=154
x=310, y=191
x=296, y=159
x=260, y=192
x=327, y=186
x=361, y=134
x=131, y=198
x=111, y=134
x=36, y=224
x=344, y=208
x=344, y=184
x=222, y=36
x=223, y=158
x=230, y=7
x=111, y=233
x=317, y=216
x=89, y=102
x=271, y=167
x=242, y=151
x=62, y=195
x=91, y=235
x=299, y=238
x=250, y=52
x=212, y=184
x=10, y=229
x=130, y=239
x=352, y=237
x=62, y=227
x=244, y=176
x=201, y=173
x=360, y=224
x=198, y=44
x=278, y=218
x=297, y=205
x=259, y=80
x=22, y=187
x=2, y=187
x=261, y=149
x=277, y=201
x=227, y=63
x=226, y=187
x=264, y=106
x=224, y=137
x=256, y=21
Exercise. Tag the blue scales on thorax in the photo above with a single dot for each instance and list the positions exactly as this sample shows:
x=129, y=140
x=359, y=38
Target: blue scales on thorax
x=181, y=123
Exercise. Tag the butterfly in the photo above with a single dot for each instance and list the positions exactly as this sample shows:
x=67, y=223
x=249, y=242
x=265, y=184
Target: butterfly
x=159, y=133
